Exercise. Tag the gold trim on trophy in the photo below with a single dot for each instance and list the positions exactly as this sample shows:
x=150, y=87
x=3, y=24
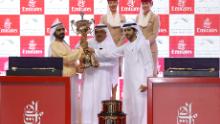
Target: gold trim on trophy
x=83, y=27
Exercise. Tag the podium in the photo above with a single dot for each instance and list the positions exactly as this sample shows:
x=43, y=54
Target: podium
x=183, y=100
x=34, y=100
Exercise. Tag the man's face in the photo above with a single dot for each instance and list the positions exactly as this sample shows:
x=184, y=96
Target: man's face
x=60, y=32
x=113, y=5
x=129, y=33
x=146, y=6
x=100, y=35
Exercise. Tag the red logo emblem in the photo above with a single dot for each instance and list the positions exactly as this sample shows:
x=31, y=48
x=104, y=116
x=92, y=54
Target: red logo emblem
x=207, y=25
x=86, y=6
x=181, y=6
x=129, y=6
x=32, y=7
x=9, y=25
x=182, y=46
x=32, y=46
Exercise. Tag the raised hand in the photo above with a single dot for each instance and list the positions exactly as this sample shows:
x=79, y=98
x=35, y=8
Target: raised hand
x=80, y=68
x=143, y=88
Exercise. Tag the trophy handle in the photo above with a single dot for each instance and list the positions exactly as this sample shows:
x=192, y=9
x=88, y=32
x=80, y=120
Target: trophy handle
x=92, y=21
x=72, y=22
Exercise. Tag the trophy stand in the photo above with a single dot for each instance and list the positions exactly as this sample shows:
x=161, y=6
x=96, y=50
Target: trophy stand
x=83, y=27
x=112, y=113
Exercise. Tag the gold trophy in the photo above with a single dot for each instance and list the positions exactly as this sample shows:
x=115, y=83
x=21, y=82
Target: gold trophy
x=83, y=27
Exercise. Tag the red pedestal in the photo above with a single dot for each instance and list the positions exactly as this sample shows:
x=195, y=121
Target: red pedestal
x=39, y=100
x=184, y=101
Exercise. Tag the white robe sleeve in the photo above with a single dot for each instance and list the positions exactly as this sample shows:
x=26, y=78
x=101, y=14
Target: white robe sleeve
x=114, y=53
x=106, y=64
x=147, y=59
x=103, y=62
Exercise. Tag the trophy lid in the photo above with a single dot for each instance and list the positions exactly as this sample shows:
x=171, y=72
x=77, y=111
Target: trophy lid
x=82, y=25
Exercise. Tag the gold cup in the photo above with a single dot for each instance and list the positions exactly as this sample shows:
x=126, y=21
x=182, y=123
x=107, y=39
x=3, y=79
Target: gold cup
x=83, y=28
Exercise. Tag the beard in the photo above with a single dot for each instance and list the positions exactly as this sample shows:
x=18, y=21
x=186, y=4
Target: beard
x=60, y=36
x=129, y=36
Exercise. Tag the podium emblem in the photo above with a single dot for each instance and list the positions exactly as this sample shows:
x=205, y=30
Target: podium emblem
x=32, y=115
x=185, y=114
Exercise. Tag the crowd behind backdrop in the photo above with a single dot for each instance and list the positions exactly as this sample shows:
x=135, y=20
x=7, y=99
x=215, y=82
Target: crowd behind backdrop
x=188, y=28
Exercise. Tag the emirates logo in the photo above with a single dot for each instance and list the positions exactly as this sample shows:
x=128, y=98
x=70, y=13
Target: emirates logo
x=130, y=7
x=130, y=3
x=7, y=27
x=32, y=3
x=7, y=23
x=181, y=49
x=207, y=23
x=185, y=114
x=182, y=7
x=32, y=45
x=32, y=7
x=181, y=45
x=81, y=6
x=32, y=49
x=181, y=3
x=81, y=3
x=32, y=114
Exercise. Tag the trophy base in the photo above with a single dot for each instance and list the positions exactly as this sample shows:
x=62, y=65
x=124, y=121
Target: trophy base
x=112, y=113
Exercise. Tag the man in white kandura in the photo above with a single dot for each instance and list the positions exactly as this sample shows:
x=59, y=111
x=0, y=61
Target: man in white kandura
x=98, y=82
x=59, y=48
x=138, y=65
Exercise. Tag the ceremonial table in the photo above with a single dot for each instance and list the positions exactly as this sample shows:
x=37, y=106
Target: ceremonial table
x=184, y=100
x=34, y=100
